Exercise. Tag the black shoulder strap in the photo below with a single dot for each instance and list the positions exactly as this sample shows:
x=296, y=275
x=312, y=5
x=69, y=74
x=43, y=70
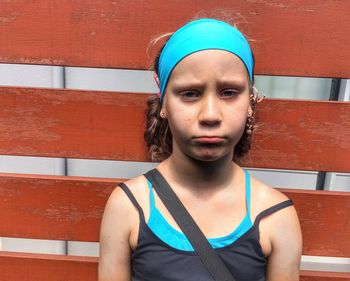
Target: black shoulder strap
x=274, y=209
x=199, y=242
x=133, y=200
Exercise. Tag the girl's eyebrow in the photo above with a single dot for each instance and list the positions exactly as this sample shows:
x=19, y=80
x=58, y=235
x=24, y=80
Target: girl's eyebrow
x=185, y=84
x=230, y=81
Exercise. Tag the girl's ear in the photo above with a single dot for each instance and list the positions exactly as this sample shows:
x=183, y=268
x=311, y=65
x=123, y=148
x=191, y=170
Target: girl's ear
x=163, y=113
x=250, y=110
x=156, y=79
x=251, y=104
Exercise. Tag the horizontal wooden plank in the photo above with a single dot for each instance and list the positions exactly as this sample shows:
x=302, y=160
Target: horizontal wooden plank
x=324, y=276
x=308, y=38
x=324, y=218
x=74, y=124
x=49, y=207
x=304, y=135
x=40, y=267
x=70, y=208
x=28, y=267
x=292, y=134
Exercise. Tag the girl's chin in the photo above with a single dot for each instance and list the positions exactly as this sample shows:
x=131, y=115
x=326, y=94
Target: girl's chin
x=210, y=156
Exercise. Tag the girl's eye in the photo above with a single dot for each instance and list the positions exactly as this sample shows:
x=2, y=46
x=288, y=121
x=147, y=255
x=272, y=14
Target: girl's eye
x=229, y=93
x=190, y=95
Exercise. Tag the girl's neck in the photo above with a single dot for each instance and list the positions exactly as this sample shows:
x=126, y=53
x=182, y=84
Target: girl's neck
x=198, y=174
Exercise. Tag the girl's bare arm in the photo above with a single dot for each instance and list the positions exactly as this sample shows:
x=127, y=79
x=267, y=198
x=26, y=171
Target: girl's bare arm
x=114, y=263
x=286, y=243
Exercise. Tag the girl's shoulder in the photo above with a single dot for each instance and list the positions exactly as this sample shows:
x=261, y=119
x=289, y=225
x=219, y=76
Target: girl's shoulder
x=136, y=186
x=138, y=190
x=279, y=226
x=264, y=196
x=119, y=200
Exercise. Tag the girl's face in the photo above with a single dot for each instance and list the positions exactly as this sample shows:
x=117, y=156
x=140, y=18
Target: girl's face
x=206, y=104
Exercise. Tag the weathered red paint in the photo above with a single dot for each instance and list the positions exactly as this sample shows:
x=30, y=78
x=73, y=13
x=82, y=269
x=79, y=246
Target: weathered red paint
x=41, y=267
x=70, y=208
x=305, y=135
x=298, y=38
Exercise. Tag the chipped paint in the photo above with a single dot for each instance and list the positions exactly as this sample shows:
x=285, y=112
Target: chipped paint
x=269, y=3
x=9, y=18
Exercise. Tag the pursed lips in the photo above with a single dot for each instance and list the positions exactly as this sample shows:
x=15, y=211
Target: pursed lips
x=209, y=139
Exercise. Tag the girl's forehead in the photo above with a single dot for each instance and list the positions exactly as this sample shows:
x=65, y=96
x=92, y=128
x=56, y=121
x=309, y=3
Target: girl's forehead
x=218, y=62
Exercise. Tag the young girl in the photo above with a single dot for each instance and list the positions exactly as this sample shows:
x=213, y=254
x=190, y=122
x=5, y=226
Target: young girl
x=199, y=127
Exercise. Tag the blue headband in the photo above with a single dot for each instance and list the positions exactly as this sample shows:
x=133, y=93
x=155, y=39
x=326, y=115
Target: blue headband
x=199, y=35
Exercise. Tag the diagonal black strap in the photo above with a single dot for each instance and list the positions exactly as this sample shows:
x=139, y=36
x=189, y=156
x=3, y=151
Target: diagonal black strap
x=199, y=242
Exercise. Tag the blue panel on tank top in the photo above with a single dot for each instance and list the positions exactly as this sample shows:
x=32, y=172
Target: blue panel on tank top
x=169, y=235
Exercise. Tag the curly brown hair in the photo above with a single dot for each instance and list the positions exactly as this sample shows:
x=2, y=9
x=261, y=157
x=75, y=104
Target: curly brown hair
x=158, y=136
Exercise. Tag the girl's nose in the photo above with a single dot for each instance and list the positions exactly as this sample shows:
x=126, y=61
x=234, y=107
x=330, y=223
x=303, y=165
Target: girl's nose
x=210, y=114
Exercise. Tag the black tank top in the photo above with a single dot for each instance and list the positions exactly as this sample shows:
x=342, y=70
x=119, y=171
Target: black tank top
x=154, y=260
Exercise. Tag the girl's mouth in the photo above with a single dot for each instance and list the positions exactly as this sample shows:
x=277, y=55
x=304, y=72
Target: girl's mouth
x=209, y=139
